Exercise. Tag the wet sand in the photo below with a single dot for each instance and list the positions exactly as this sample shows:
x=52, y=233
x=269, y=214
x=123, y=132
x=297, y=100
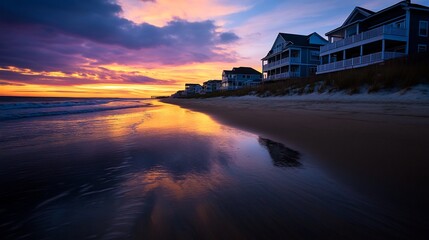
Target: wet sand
x=378, y=149
x=304, y=170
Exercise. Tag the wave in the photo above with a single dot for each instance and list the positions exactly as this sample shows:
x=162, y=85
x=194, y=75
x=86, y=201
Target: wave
x=18, y=110
x=52, y=104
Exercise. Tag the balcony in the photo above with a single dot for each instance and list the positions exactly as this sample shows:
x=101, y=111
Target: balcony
x=281, y=62
x=283, y=76
x=375, y=34
x=358, y=62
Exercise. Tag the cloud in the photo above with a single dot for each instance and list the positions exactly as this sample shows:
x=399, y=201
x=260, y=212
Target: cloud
x=70, y=37
x=90, y=76
x=4, y=83
x=99, y=21
x=228, y=37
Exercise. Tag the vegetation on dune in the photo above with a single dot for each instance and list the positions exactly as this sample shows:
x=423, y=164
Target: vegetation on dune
x=400, y=73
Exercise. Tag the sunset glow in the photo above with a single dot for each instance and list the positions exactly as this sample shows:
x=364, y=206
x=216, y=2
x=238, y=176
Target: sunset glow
x=130, y=48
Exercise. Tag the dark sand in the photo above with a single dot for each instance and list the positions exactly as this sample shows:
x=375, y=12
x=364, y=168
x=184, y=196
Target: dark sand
x=378, y=149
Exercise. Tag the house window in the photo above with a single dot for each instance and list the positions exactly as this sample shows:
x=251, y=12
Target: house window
x=351, y=31
x=423, y=28
x=422, y=48
x=314, y=55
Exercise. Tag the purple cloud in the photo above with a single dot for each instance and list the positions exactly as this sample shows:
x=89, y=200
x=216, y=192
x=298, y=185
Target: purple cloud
x=99, y=21
x=228, y=37
x=68, y=35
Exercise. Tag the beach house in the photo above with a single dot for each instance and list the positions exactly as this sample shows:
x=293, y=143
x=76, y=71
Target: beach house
x=192, y=89
x=240, y=77
x=212, y=86
x=368, y=37
x=292, y=55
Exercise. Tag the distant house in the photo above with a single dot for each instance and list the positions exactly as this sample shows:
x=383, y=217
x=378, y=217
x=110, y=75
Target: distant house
x=292, y=56
x=368, y=37
x=192, y=89
x=240, y=77
x=212, y=86
x=179, y=94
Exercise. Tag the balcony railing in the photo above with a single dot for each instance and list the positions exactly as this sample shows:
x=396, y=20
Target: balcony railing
x=376, y=32
x=357, y=61
x=283, y=76
x=281, y=62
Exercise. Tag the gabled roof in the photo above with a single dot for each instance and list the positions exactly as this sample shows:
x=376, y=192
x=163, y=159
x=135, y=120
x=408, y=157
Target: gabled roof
x=297, y=40
x=242, y=70
x=372, y=14
x=300, y=40
x=357, y=14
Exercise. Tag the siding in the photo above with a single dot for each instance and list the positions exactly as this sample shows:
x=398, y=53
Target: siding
x=415, y=39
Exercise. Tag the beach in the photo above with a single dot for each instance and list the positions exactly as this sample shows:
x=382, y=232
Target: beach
x=378, y=148
x=242, y=168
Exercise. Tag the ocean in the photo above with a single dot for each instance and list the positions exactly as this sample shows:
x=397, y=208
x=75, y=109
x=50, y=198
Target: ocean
x=142, y=169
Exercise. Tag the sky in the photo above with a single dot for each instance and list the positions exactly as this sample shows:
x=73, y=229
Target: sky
x=143, y=48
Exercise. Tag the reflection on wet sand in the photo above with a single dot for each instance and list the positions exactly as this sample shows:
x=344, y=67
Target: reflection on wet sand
x=281, y=155
x=166, y=172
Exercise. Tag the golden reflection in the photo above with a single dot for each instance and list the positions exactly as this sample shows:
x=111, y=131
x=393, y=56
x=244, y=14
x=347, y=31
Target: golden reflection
x=168, y=117
x=189, y=186
x=160, y=118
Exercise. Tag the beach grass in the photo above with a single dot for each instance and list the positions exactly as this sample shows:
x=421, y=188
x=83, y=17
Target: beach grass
x=401, y=73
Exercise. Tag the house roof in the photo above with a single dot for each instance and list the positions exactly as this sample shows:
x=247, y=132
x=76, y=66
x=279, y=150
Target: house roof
x=366, y=10
x=300, y=40
x=242, y=70
x=357, y=14
x=373, y=14
x=212, y=81
x=297, y=40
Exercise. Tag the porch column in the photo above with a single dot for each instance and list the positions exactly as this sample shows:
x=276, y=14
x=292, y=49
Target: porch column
x=329, y=58
x=361, y=53
x=344, y=55
x=383, y=46
x=262, y=69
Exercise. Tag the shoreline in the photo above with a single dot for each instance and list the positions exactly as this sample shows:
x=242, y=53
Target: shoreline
x=378, y=149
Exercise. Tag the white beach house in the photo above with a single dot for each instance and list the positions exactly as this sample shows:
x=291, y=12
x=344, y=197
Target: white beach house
x=368, y=37
x=240, y=77
x=292, y=55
